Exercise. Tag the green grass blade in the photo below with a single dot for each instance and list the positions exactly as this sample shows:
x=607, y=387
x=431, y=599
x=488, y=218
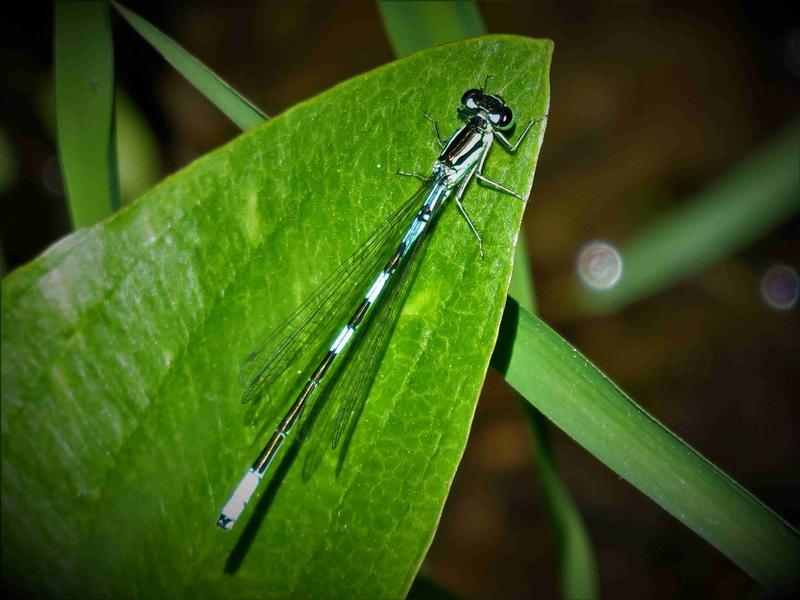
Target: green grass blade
x=122, y=431
x=84, y=83
x=235, y=106
x=414, y=26
x=521, y=287
x=741, y=206
x=577, y=397
x=578, y=567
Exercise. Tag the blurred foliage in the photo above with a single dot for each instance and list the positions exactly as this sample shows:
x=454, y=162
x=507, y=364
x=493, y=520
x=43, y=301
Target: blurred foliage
x=9, y=165
x=413, y=26
x=138, y=152
x=749, y=201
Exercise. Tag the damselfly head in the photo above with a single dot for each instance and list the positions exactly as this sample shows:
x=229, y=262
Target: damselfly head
x=477, y=101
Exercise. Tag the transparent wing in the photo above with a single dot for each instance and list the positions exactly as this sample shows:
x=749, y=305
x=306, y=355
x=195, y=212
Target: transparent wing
x=341, y=401
x=283, y=358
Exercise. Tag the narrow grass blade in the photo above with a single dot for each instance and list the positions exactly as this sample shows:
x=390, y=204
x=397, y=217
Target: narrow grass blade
x=577, y=397
x=521, y=287
x=413, y=26
x=84, y=78
x=576, y=559
x=575, y=555
x=235, y=106
x=749, y=201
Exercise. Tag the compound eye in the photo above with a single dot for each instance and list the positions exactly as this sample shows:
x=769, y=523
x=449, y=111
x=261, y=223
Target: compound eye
x=471, y=98
x=506, y=118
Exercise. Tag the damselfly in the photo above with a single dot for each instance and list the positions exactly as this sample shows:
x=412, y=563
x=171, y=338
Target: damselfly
x=371, y=304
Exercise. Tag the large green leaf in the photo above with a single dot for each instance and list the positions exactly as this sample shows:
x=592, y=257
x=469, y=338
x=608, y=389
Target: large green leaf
x=121, y=429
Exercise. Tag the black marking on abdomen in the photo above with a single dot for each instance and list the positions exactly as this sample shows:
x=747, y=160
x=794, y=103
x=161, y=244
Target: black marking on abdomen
x=297, y=407
x=395, y=259
x=263, y=460
x=359, y=314
x=323, y=367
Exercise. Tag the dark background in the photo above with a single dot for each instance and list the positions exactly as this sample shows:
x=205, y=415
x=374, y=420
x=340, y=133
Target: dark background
x=650, y=103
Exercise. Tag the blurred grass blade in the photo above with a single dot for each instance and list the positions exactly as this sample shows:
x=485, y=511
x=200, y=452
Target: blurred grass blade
x=138, y=151
x=521, y=287
x=744, y=204
x=84, y=82
x=577, y=397
x=425, y=589
x=414, y=26
x=235, y=106
x=9, y=164
x=578, y=568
